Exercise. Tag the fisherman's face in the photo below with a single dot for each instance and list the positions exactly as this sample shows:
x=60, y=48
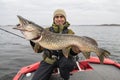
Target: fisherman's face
x=59, y=20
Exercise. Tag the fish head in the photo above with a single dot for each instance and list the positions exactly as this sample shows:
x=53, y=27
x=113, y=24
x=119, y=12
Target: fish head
x=29, y=29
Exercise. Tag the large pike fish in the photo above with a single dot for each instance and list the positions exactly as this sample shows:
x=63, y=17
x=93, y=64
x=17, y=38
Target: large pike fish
x=54, y=41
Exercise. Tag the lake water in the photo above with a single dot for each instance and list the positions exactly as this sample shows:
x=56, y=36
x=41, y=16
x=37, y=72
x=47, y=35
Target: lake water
x=16, y=52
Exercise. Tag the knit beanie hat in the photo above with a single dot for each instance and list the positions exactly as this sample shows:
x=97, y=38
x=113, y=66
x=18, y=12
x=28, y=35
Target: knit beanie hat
x=59, y=11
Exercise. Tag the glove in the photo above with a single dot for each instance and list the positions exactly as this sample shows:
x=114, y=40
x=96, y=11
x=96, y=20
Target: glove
x=75, y=49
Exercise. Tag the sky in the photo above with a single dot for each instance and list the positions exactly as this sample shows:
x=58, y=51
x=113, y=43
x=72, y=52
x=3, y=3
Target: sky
x=79, y=12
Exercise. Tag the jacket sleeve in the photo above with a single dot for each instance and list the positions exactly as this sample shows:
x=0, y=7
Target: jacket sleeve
x=36, y=47
x=70, y=31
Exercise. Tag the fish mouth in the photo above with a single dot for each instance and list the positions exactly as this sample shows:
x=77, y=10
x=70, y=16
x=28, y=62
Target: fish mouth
x=19, y=28
x=22, y=20
x=22, y=23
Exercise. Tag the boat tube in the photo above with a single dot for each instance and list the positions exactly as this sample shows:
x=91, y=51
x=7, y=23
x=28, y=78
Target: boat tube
x=89, y=69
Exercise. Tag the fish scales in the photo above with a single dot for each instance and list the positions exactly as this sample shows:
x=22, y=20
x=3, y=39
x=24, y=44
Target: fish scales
x=54, y=41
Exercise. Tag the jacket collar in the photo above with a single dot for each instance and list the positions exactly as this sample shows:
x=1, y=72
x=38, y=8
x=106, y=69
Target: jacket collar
x=59, y=29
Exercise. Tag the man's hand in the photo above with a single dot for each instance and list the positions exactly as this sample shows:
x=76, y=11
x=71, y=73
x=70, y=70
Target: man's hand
x=75, y=49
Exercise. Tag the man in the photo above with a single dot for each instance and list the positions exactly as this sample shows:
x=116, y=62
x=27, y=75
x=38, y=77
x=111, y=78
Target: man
x=55, y=58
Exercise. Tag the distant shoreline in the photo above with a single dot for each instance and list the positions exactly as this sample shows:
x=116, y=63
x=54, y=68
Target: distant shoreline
x=103, y=25
x=84, y=25
x=100, y=25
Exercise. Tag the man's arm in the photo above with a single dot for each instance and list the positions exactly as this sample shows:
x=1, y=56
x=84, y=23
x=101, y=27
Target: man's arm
x=36, y=47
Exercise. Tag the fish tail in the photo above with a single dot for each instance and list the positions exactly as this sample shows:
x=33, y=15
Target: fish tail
x=103, y=53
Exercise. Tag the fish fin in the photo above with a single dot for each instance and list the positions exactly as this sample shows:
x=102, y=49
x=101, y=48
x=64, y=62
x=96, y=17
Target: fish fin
x=101, y=58
x=86, y=55
x=103, y=53
x=66, y=51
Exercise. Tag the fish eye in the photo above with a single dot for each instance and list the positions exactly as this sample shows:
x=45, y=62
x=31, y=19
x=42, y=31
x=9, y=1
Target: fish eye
x=18, y=25
x=30, y=22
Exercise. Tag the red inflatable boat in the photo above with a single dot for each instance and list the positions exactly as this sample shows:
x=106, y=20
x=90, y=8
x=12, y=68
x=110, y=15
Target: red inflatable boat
x=89, y=69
